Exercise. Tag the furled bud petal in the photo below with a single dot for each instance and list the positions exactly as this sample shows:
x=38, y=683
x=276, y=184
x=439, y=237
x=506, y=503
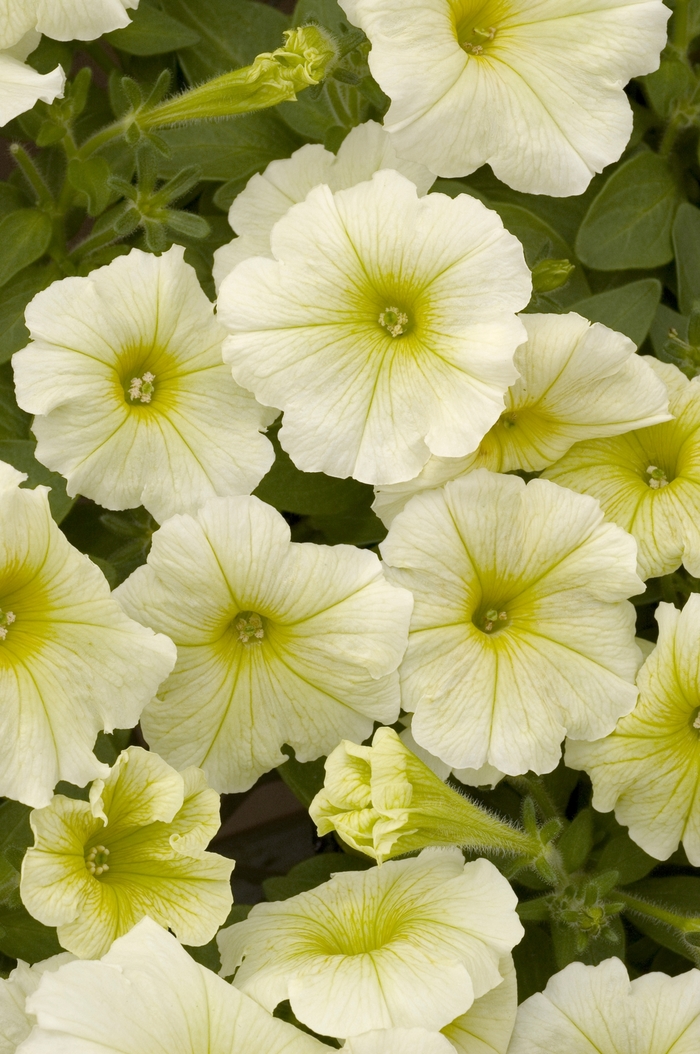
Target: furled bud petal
x=549, y=275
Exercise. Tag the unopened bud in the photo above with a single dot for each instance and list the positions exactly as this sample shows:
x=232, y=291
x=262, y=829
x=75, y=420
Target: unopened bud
x=549, y=275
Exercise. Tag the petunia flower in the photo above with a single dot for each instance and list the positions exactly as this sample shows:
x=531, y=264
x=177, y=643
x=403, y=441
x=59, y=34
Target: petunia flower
x=648, y=481
x=407, y=945
x=278, y=642
x=384, y=328
x=534, y=90
x=485, y=1028
x=521, y=629
x=136, y=848
x=367, y=149
x=15, y=1022
x=577, y=381
x=20, y=85
x=597, y=1008
x=148, y=996
x=384, y=802
x=134, y=405
x=647, y=769
x=62, y=19
x=71, y=663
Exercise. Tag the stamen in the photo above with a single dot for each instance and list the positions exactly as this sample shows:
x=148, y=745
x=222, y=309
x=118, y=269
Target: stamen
x=394, y=320
x=249, y=627
x=96, y=860
x=6, y=620
x=493, y=616
x=657, y=477
x=479, y=37
x=142, y=388
x=696, y=722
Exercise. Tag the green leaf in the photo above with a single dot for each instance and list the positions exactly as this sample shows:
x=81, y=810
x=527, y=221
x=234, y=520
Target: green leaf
x=15, y=833
x=311, y=873
x=686, y=244
x=596, y=950
x=665, y=320
x=20, y=453
x=577, y=840
x=540, y=241
x=22, y=937
x=14, y=335
x=309, y=493
x=630, y=309
x=621, y=854
x=152, y=32
x=315, y=117
x=534, y=960
x=679, y=893
x=629, y=223
x=304, y=779
x=231, y=33
x=91, y=177
x=11, y=199
x=24, y=235
x=14, y=423
x=666, y=87
x=235, y=148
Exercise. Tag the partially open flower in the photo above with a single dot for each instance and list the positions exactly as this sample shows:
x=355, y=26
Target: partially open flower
x=384, y=328
x=647, y=769
x=278, y=642
x=71, y=663
x=136, y=848
x=577, y=381
x=148, y=996
x=367, y=149
x=383, y=801
x=534, y=90
x=648, y=481
x=20, y=85
x=410, y=944
x=597, y=1008
x=134, y=404
x=521, y=630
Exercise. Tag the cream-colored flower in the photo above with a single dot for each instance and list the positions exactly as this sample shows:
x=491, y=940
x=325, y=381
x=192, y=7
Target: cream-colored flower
x=367, y=149
x=407, y=945
x=521, y=630
x=20, y=85
x=134, y=404
x=384, y=801
x=15, y=1022
x=278, y=642
x=647, y=770
x=148, y=996
x=598, y=1010
x=61, y=19
x=136, y=848
x=385, y=326
x=71, y=663
x=533, y=89
x=485, y=776
x=577, y=381
x=485, y=1028
x=648, y=481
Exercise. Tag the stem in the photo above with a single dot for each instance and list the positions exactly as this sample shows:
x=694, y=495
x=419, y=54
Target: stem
x=535, y=789
x=100, y=139
x=684, y=923
x=32, y=175
x=92, y=243
x=680, y=25
x=675, y=125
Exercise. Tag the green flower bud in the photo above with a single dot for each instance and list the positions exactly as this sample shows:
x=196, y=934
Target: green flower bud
x=384, y=801
x=549, y=275
x=274, y=77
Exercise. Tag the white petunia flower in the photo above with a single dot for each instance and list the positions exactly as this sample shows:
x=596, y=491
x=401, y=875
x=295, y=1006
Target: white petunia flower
x=385, y=326
x=367, y=149
x=647, y=770
x=598, y=1010
x=278, y=642
x=136, y=848
x=20, y=85
x=532, y=87
x=15, y=1022
x=648, y=481
x=61, y=19
x=148, y=996
x=71, y=663
x=521, y=629
x=577, y=381
x=485, y=1028
x=407, y=945
x=134, y=404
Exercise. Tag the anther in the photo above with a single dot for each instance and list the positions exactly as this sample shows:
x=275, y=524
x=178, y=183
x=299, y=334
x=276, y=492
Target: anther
x=493, y=616
x=6, y=620
x=479, y=37
x=141, y=389
x=96, y=860
x=394, y=320
x=249, y=627
x=657, y=477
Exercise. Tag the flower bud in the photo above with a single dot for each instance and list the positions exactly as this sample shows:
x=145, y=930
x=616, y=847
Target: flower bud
x=549, y=275
x=384, y=801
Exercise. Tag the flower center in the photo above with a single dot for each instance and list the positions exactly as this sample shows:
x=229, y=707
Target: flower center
x=6, y=620
x=508, y=420
x=96, y=860
x=249, y=627
x=657, y=477
x=695, y=721
x=491, y=620
x=473, y=42
x=141, y=389
x=394, y=320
